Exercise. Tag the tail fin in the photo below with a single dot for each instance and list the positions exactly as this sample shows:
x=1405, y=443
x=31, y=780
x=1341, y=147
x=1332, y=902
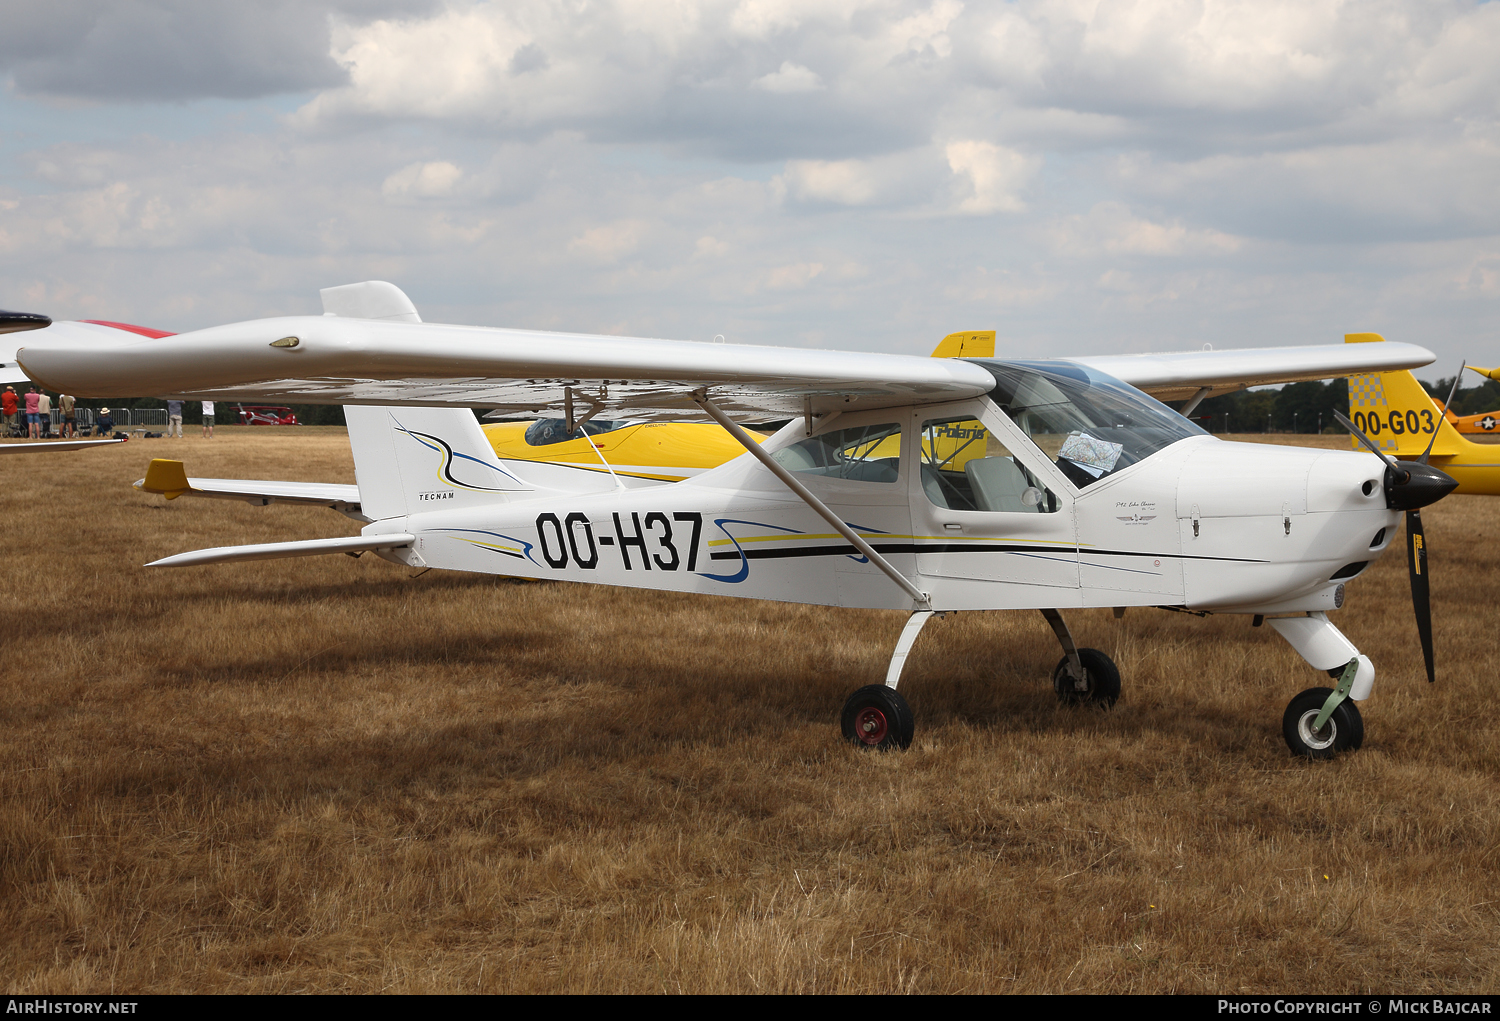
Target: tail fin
x=410, y=459
x=974, y=344
x=1396, y=412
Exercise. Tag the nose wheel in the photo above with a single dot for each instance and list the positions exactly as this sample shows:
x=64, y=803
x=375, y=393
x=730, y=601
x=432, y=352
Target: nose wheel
x=1344, y=730
x=877, y=717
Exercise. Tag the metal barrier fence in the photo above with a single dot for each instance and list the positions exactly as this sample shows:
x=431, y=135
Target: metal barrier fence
x=127, y=417
x=124, y=418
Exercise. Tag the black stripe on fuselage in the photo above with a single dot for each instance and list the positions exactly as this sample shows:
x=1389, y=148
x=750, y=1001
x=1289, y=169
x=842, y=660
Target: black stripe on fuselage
x=1028, y=549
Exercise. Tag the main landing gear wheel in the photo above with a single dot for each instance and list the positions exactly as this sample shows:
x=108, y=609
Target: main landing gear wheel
x=877, y=717
x=1344, y=731
x=1102, y=684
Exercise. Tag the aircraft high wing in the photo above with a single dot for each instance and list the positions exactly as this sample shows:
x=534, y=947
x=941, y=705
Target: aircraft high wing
x=334, y=359
x=902, y=482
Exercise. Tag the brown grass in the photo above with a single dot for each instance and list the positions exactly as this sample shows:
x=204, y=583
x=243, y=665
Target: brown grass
x=325, y=775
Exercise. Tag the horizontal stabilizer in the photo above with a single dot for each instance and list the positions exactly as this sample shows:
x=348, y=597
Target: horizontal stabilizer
x=53, y=447
x=283, y=550
x=165, y=477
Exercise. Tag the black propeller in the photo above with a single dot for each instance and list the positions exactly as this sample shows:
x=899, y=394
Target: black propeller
x=1410, y=486
x=15, y=322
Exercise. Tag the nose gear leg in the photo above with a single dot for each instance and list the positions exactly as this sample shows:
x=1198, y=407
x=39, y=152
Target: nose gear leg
x=1324, y=647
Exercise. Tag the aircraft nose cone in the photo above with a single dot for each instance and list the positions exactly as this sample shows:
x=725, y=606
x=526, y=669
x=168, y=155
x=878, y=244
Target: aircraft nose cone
x=1423, y=485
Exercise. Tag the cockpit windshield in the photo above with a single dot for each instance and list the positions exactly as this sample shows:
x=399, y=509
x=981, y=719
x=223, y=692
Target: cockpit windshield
x=545, y=431
x=1090, y=424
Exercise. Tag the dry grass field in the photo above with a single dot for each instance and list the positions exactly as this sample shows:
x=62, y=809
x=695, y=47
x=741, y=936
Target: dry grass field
x=327, y=775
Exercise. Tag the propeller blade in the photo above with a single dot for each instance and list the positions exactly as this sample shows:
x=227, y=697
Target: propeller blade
x=1416, y=563
x=1444, y=413
x=1357, y=431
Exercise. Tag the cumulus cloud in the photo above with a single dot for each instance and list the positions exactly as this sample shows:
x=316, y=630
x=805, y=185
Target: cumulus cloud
x=794, y=276
x=169, y=49
x=789, y=78
x=422, y=180
x=610, y=242
x=995, y=176
x=846, y=182
x=1111, y=228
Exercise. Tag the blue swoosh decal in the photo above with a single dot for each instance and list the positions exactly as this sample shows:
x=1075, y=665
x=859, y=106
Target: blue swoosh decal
x=744, y=571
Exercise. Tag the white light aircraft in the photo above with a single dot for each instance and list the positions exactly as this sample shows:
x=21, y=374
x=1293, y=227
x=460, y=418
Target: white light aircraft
x=1087, y=492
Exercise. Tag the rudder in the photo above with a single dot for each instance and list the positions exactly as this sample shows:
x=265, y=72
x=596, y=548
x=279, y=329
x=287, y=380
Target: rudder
x=408, y=460
x=1396, y=412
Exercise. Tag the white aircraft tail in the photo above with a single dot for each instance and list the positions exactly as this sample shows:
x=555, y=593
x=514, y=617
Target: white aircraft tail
x=408, y=460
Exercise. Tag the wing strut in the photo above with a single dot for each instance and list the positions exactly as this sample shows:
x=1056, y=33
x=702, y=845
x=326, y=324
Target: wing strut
x=1197, y=398
x=824, y=511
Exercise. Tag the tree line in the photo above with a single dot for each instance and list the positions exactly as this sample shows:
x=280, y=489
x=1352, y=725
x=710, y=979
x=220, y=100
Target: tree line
x=1309, y=407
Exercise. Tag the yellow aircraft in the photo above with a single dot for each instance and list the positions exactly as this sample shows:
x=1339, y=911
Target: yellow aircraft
x=1402, y=419
x=673, y=451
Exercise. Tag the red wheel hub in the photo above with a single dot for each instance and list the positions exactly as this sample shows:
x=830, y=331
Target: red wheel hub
x=871, y=726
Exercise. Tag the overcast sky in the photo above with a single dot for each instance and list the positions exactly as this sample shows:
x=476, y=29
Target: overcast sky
x=1081, y=176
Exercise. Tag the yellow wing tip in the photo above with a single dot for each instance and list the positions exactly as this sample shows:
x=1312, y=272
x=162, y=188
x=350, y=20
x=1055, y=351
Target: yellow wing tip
x=1363, y=338
x=970, y=344
x=164, y=476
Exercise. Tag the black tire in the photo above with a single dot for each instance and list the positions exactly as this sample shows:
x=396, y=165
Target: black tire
x=1103, y=688
x=1344, y=731
x=877, y=717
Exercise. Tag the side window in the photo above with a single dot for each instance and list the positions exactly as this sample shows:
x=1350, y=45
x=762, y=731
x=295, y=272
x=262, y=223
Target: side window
x=866, y=453
x=966, y=467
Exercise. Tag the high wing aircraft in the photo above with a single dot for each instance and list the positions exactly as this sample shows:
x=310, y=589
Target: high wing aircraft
x=1403, y=420
x=1089, y=493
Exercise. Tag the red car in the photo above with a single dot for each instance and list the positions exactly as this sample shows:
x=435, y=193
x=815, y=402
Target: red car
x=265, y=414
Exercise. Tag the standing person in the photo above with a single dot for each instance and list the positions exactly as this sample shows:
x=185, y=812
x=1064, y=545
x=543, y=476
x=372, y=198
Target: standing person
x=208, y=420
x=174, y=419
x=44, y=414
x=65, y=404
x=32, y=429
x=8, y=404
